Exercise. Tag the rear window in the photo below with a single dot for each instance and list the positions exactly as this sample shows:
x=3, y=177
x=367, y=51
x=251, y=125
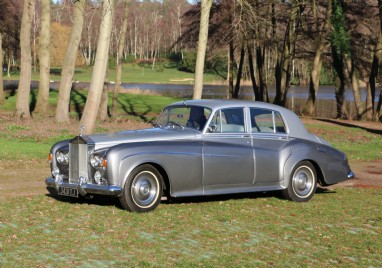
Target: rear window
x=266, y=121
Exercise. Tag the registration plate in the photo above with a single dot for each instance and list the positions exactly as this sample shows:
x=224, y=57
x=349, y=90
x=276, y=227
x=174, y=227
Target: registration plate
x=68, y=191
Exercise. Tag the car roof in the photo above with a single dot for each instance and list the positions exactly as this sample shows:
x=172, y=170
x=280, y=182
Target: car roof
x=221, y=103
x=294, y=125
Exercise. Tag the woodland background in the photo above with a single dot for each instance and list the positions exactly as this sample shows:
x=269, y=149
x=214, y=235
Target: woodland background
x=266, y=43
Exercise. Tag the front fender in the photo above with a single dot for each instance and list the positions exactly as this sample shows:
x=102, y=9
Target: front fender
x=181, y=161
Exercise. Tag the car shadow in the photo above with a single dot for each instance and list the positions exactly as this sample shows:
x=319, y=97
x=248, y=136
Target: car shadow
x=323, y=190
x=114, y=202
x=222, y=198
x=90, y=200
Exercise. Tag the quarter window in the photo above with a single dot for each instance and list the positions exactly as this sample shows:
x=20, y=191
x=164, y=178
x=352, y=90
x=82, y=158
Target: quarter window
x=266, y=121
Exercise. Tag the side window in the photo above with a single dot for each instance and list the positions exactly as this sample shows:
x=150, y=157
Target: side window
x=266, y=121
x=228, y=121
x=279, y=124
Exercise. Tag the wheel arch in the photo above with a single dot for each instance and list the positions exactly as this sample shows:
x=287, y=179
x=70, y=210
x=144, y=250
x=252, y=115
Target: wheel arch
x=289, y=167
x=165, y=179
x=319, y=173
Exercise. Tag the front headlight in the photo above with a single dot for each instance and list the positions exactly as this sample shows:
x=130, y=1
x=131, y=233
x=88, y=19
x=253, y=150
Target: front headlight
x=96, y=161
x=62, y=157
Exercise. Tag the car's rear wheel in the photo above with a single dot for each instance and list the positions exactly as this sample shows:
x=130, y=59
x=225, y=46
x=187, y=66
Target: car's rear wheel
x=143, y=189
x=303, y=182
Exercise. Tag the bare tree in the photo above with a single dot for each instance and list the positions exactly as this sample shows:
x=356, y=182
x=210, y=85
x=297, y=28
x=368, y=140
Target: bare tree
x=91, y=25
x=44, y=85
x=202, y=46
x=378, y=58
x=121, y=46
x=36, y=18
x=23, y=92
x=62, y=110
x=285, y=56
x=2, y=97
x=322, y=32
x=101, y=61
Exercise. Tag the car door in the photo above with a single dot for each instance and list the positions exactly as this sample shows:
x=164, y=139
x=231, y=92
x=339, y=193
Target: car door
x=227, y=150
x=270, y=145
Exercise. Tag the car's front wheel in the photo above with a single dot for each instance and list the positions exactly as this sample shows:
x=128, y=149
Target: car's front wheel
x=303, y=182
x=143, y=189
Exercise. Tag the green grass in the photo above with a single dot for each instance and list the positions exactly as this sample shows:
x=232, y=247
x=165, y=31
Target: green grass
x=357, y=143
x=17, y=149
x=134, y=106
x=163, y=72
x=338, y=228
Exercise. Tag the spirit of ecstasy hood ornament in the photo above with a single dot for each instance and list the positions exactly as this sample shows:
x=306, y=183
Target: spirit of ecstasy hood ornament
x=82, y=130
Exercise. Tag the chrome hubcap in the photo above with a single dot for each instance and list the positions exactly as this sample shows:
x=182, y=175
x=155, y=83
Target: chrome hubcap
x=144, y=190
x=303, y=181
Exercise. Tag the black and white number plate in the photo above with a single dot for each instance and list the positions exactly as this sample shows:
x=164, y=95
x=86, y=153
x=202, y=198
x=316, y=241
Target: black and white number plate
x=68, y=191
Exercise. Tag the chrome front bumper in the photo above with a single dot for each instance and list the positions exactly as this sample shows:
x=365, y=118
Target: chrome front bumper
x=84, y=188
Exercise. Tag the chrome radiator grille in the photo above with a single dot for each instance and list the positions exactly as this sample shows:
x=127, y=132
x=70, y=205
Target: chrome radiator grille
x=78, y=160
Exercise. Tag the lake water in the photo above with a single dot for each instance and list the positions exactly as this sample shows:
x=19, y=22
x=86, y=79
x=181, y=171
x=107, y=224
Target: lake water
x=209, y=91
x=212, y=91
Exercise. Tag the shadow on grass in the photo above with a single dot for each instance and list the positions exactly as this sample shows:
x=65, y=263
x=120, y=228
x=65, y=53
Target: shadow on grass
x=96, y=200
x=100, y=200
x=33, y=101
x=350, y=125
x=78, y=99
x=128, y=107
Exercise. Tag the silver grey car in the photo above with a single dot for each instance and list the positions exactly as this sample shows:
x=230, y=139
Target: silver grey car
x=198, y=148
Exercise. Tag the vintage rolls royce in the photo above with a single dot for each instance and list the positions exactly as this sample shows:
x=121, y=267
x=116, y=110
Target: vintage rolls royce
x=196, y=148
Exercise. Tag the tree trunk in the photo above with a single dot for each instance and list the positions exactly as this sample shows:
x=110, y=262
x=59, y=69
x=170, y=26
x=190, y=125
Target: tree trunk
x=23, y=92
x=121, y=46
x=340, y=98
x=99, y=71
x=202, y=46
x=239, y=72
x=371, y=84
x=378, y=113
x=378, y=54
x=282, y=73
x=317, y=61
x=252, y=73
x=42, y=105
x=314, y=83
x=63, y=101
x=2, y=95
x=9, y=65
x=337, y=62
x=261, y=73
x=231, y=60
x=103, y=107
x=356, y=93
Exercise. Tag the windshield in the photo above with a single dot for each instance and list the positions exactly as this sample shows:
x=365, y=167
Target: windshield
x=184, y=116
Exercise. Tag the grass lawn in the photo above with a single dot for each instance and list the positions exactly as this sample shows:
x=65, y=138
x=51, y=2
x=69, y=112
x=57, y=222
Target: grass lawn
x=164, y=72
x=338, y=228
